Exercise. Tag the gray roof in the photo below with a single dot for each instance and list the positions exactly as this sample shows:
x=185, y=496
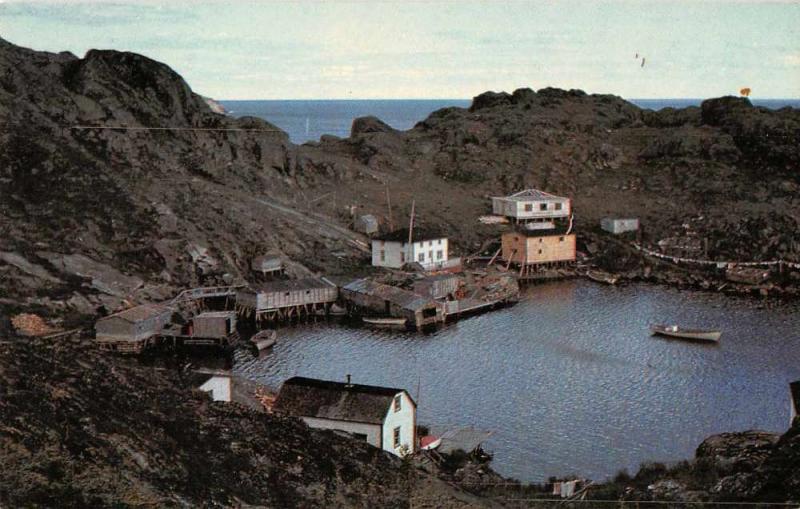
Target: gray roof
x=395, y=295
x=139, y=313
x=531, y=194
x=310, y=283
x=309, y=397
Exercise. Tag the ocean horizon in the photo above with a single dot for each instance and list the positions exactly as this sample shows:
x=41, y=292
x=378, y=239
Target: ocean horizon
x=306, y=120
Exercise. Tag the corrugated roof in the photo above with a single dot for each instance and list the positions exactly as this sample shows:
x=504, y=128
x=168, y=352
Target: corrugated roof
x=532, y=194
x=309, y=397
x=398, y=296
x=310, y=283
x=139, y=313
x=420, y=234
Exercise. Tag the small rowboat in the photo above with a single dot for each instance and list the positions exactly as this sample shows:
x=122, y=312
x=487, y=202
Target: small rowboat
x=429, y=442
x=264, y=339
x=679, y=332
x=599, y=276
x=385, y=323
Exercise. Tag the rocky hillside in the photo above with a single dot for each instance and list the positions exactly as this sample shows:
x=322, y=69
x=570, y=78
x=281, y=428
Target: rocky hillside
x=87, y=204
x=83, y=429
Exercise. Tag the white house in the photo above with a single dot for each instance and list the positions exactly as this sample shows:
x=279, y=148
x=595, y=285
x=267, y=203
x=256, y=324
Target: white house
x=794, y=390
x=381, y=416
x=426, y=248
x=532, y=204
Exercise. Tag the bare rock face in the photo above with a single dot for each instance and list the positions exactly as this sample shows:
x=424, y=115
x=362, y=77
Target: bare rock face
x=370, y=124
x=737, y=452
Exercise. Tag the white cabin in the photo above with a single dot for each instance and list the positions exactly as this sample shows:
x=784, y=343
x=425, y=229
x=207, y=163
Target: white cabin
x=619, y=225
x=381, y=416
x=532, y=204
x=393, y=250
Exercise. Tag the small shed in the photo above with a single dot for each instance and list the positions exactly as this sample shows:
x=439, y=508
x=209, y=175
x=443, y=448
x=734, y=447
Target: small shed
x=228, y=388
x=214, y=324
x=367, y=224
x=132, y=329
x=267, y=264
x=619, y=225
x=438, y=287
x=285, y=299
x=386, y=300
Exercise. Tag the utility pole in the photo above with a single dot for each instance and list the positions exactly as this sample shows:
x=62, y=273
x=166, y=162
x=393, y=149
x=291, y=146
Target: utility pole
x=389, y=206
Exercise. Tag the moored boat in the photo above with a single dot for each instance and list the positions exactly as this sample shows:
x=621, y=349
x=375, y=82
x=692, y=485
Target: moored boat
x=602, y=277
x=264, y=339
x=684, y=333
x=385, y=323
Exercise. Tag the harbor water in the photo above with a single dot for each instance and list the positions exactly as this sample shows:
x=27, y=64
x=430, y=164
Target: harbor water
x=569, y=380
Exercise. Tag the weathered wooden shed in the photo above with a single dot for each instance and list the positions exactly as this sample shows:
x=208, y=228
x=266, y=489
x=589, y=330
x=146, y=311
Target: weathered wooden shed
x=214, y=324
x=534, y=249
x=365, y=295
x=286, y=299
x=367, y=224
x=439, y=286
x=132, y=330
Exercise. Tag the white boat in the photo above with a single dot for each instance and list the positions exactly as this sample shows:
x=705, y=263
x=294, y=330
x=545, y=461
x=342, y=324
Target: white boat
x=385, y=323
x=674, y=331
x=264, y=339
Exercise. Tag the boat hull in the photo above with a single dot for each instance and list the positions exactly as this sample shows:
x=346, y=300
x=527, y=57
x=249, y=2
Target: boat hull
x=690, y=334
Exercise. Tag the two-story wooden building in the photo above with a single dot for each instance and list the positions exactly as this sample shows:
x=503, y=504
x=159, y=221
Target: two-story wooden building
x=427, y=248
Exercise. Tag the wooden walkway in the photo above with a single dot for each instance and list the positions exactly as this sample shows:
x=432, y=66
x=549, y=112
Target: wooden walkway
x=206, y=292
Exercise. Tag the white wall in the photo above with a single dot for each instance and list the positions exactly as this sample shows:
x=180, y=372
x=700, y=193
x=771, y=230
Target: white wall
x=429, y=250
x=406, y=418
x=219, y=387
x=373, y=431
x=392, y=253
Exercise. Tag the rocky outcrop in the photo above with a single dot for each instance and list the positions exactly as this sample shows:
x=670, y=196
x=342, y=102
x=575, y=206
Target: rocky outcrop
x=83, y=429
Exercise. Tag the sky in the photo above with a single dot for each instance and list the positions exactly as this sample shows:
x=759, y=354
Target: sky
x=435, y=49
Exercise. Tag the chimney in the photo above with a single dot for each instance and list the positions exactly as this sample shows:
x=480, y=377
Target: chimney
x=348, y=379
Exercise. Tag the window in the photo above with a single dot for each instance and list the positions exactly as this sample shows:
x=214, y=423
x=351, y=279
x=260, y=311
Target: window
x=402, y=258
x=360, y=436
x=529, y=207
x=561, y=239
x=540, y=240
x=540, y=251
x=397, y=437
x=421, y=257
x=430, y=243
x=558, y=206
x=383, y=255
x=542, y=206
x=439, y=242
x=398, y=403
x=439, y=254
